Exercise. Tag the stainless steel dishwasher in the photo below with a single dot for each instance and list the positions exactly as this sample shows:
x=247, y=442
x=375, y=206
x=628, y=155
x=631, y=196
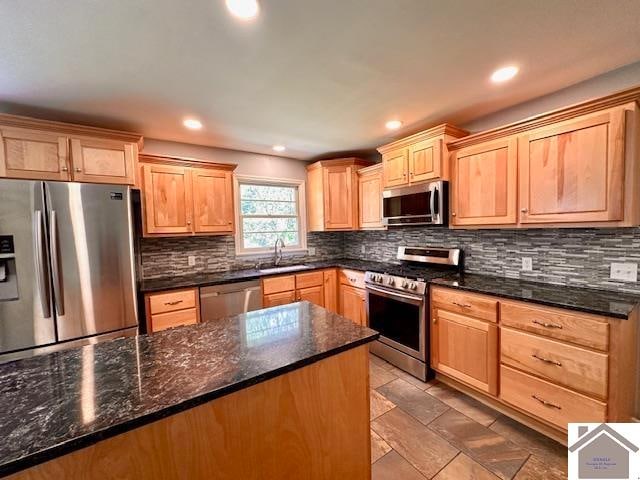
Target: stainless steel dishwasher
x=230, y=299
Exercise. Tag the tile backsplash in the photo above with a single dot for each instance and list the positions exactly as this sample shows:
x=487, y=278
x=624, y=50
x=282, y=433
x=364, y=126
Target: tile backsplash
x=577, y=257
x=161, y=257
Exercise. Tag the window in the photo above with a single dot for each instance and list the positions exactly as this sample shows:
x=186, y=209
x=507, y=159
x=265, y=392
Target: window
x=267, y=210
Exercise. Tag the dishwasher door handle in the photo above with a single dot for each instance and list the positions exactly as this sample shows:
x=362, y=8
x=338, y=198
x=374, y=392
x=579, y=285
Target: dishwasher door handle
x=247, y=297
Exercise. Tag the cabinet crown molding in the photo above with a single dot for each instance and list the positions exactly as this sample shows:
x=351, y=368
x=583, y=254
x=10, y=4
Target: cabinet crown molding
x=184, y=161
x=371, y=169
x=443, y=129
x=336, y=162
x=18, y=121
x=547, y=118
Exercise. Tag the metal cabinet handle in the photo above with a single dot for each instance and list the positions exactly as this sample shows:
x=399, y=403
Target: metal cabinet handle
x=547, y=325
x=546, y=360
x=453, y=214
x=435, y=320
x=64, y=169
x=463, y=305
x=78, y=169
x=524, y=210
x=546, y=403
x=175, y=302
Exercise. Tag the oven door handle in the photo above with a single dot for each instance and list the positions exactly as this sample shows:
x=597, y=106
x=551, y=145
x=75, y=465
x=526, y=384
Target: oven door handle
x=388, y=293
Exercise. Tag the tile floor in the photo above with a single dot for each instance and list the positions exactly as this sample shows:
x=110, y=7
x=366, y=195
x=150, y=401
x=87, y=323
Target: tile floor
x=430, y=431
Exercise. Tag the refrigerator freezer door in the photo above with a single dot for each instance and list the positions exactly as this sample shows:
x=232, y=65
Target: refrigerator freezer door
x=26, y=310
x=91, y=248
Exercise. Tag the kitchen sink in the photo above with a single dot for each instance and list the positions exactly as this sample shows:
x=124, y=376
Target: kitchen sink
x=283, y=269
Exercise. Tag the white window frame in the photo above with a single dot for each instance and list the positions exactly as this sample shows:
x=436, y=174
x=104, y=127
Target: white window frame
x=302, y=214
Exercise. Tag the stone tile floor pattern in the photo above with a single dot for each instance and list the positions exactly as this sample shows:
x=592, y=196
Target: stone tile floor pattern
x=431, y=431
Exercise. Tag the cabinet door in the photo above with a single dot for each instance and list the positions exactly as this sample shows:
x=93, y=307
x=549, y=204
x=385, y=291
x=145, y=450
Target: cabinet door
x=370, y=204
x=103, y=161
x=425, y=160
x=212, y=201
x=281, y=298
x=331, y=290
x=395, y=168
x=32, y=154
x=466, y=349
x=574, y=171
x=312, y=294
x=485, y=183
x=339, y=196
x=352, y=304
x=167, y=199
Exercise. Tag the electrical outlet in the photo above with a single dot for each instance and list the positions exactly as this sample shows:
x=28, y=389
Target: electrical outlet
x=191, y=260
x=311, y=251
x=527, y=264
x=363, y=249
x=627, y=272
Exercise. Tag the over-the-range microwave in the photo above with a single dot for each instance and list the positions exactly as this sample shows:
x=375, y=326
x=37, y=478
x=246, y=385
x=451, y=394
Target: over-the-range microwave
x=423, y=204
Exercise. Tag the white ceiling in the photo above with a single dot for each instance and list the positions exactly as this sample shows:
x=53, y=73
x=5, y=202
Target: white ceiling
x=316, y=75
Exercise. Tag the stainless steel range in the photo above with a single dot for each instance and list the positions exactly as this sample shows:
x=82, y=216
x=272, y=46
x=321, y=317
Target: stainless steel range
x=398, y=306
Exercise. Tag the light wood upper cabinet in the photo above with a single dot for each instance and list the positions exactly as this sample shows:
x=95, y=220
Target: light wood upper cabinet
x=332, y=199
x=484, y=184
x=212, y=201
x=418, y=158
x=103, y=161
x=182, y=197
x=33, y=154
x=370, y=202
x=573, y=167
x=167, y=199
x=44, y=150
x=574, y=171
x=426, y=160
x=396, y=167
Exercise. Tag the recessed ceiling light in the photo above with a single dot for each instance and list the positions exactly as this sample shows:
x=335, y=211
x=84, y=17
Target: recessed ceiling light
x=279, y=148
x=503, y=74
x=393, y=124
x=192, y=124
x=245, y=9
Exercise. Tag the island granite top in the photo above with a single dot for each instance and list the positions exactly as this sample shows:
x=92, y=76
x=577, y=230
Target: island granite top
x=57, y=403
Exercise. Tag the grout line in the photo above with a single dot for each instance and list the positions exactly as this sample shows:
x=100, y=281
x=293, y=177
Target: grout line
x=447, y=464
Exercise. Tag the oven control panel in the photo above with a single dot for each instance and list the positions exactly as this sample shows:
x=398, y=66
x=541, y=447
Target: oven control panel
x=393, y=282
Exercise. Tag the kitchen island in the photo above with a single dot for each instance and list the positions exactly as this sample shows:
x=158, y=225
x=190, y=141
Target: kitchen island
x=276, y=393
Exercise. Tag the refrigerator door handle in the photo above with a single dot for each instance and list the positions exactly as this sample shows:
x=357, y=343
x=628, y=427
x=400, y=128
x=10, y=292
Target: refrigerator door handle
x=55, y=264
x=40, y=262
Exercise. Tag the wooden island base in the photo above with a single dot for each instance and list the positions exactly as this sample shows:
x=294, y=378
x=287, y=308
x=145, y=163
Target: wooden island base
x=311, y=423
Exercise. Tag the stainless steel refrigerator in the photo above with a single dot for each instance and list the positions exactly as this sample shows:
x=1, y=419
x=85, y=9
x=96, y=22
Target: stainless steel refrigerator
x=67, y=273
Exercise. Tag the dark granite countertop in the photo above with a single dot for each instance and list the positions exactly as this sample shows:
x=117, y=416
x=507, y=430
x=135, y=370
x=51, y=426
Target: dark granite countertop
x=54, y=404
x=599, y=302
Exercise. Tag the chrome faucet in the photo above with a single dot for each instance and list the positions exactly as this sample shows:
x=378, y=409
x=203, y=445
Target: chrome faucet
x=278, y=251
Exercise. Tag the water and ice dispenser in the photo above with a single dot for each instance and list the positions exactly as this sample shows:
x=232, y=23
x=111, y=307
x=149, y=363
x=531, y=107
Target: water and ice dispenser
x=8, y=274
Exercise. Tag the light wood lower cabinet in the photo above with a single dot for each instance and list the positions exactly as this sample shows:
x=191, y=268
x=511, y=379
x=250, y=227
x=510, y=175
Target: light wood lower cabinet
x=331, y=290
x=352, y=304
x=172, y=308
x=308, y=286
x=281, y=298
x=552, y=365
x=181, y=198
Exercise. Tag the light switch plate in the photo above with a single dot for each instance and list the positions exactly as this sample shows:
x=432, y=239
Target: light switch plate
x=191, y=260
x=311, y=251
x=527, y=264
x=627, y=272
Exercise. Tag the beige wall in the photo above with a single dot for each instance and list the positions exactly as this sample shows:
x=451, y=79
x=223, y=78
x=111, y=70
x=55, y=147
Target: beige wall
x=605, y=84
x=248, y=163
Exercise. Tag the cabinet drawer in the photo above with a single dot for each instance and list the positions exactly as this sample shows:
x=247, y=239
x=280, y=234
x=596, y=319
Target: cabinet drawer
x=278, y=284
x=163, y=321
x=554, y=404
x=172, y=301
x=582, y=329
x=311, y=279
x=472, y=304
x=352, y=277
x=573, y=367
